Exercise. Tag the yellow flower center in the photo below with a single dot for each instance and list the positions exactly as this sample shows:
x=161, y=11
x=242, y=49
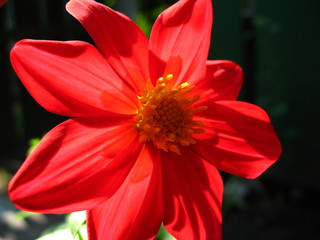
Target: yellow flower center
x=165, y=115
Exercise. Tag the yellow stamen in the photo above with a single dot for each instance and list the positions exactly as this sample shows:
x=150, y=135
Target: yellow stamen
x=165, y=115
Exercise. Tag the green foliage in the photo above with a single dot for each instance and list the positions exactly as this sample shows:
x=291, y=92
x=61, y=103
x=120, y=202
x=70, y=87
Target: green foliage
x=164, y=235
x=21, y=215
x=145, y=19
x=54, y=232
x=144, y=23
x=77, y=224
x=33, y=142
x=109, y=3
x=4, y=180
x=74, y=228
x=235, y=193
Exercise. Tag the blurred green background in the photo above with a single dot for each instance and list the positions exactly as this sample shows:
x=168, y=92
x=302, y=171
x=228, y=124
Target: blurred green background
x=277, y=44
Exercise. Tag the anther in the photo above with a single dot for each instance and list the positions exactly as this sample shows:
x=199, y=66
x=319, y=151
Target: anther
x=165, y=116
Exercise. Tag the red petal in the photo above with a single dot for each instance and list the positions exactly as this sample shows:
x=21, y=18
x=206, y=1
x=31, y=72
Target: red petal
x=223, y=81
x=180, y=40
x=119, y=39
x=192, y=191
x=76, y=166
x=2, y=2
x=71, y=78
x=239, y=138
x=135, y=211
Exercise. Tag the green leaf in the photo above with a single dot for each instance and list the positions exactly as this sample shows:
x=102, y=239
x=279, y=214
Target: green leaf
x=33, y=142
x=164, y=235
x=109, y=3
x=60, y=231
x=77, y=224
x=21, y=215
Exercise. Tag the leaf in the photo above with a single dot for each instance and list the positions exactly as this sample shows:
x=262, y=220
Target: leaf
x=60, y=231
x=164, y=235
x=76, y=222
x=33, y=142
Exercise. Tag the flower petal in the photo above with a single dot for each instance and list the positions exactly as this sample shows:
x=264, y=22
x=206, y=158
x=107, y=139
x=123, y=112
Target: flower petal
x=71, y=78
x=179, y=41
x=192, y=191
x=239, y=138
x=119, y=39
x=2, y=2
x=76, y=166
x=223, y=81
x=135, y=211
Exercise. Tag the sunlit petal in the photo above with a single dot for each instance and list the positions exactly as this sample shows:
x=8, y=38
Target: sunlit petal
x=223, y=81
x=76, y=166
x=135, y=211
x=118, y=38
x=179, y=41
x=192, y=191
x=71, y=78
x=239, y=138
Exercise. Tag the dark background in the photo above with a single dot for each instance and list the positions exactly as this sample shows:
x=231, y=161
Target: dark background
x=277, y=44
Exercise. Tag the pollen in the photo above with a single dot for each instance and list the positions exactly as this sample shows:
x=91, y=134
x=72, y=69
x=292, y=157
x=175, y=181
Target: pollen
x=165, y=115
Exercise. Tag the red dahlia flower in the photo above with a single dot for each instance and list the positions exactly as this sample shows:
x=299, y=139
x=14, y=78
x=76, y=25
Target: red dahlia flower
x=2, y=2
x=152, y=122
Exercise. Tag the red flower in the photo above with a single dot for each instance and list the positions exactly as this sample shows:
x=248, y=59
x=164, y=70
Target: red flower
x=139, y=152
x=2, y=2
